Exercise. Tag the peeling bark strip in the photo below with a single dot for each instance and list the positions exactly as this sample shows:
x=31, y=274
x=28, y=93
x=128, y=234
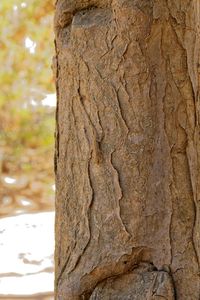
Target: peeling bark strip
x=127, y=151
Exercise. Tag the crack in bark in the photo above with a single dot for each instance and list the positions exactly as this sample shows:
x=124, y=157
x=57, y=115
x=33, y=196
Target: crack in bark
x=89, y=216
x=120, y=196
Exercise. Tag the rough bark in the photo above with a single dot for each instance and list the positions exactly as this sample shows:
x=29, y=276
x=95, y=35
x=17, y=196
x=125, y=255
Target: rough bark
x=127, y=158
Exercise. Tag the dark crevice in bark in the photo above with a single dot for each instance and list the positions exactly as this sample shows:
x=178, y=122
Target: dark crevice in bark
x=120, y=198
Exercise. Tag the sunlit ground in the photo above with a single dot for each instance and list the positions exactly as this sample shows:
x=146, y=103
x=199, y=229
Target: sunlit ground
x=27, y=107
x=26, y=254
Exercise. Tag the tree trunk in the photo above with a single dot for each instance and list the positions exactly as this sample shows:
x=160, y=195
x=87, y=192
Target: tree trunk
x=127, y=156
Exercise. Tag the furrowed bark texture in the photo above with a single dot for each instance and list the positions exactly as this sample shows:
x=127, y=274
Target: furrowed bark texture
x=127, y=158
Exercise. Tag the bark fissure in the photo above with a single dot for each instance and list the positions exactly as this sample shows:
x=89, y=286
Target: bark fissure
x=120, y=193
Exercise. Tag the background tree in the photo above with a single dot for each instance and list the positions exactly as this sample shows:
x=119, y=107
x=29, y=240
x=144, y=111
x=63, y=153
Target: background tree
x=127, y=149
x=27, y=117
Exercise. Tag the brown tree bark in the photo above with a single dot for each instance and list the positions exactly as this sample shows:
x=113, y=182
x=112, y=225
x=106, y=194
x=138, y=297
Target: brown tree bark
x=127, y=157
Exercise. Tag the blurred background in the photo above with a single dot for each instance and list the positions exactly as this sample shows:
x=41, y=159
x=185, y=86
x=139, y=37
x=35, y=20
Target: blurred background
x=27, y=105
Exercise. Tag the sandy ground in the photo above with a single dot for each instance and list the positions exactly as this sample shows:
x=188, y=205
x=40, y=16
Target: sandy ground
x=26, y=256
